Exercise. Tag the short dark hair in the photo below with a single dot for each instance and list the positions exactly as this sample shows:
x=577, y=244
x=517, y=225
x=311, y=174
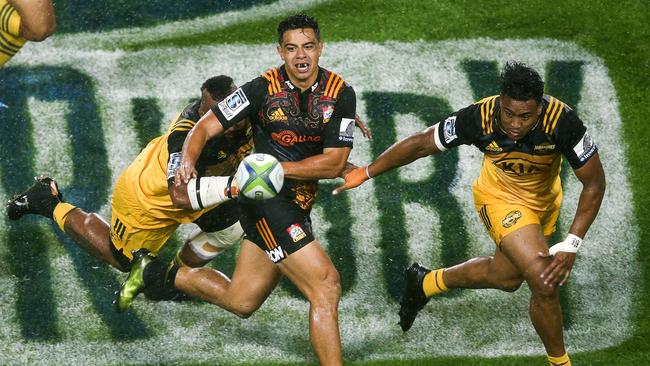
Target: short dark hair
x=521, y=82
x=219, y=87
x=298, y=21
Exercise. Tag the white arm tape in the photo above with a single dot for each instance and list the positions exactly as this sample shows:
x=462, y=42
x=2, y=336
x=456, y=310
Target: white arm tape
x=436, y=138
x=570, y=245
x=207, y=191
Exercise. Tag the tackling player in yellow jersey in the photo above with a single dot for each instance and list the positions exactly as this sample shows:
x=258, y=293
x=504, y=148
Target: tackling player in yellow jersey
x=22, y=21
x=523, y=135
x=147, y=207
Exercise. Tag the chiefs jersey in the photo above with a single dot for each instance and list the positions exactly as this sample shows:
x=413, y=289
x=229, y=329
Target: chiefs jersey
x=292, y=125
x=526, y=171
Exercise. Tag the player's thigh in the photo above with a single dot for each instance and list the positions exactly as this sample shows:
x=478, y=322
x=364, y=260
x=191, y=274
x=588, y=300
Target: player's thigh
x=522, y=248
x=503, y=272
x=255, y=275
x=312, y=271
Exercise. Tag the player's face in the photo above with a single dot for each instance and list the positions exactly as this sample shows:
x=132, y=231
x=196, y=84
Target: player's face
x=517, y=117
x=300, y=50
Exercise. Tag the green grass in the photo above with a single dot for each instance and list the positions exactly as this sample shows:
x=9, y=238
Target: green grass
x=615, y=31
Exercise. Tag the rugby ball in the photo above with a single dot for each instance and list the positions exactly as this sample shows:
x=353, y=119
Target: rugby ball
x=259, y=176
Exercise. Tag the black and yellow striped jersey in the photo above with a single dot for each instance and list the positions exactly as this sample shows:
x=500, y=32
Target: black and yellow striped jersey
x=149, y=171
x=525, y=171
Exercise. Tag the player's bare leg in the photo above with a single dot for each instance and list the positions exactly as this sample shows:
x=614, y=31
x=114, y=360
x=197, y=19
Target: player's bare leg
x=312, y=271
x=521, y=248
x=254, y=279
x=92, y=233
x=484, y=272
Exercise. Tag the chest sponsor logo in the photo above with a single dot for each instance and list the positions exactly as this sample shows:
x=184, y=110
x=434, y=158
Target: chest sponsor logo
x=449, y=129
x=296, y=233
x=511, y=218
x=276, y=254
x=277, y=115
x=346, y=132
x=520, y=167
x=233, y=104
x=585, y=147
x=289, y=138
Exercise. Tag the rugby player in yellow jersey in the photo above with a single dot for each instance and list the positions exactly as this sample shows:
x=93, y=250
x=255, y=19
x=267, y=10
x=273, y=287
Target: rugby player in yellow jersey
x=523, y=135
x=22, y=21
x=147, y=207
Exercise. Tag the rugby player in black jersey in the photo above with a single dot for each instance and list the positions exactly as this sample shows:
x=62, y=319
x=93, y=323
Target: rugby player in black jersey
x=147, y=206
x=523, y=135
x=304, y=116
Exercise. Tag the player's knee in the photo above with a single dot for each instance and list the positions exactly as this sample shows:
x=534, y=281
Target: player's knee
x=246, y=309
x=327, y=292
x=541, y=290
x=511, y=285
x=40, y=31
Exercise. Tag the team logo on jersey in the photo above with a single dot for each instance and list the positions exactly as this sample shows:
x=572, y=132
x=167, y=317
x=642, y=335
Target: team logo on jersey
x=585, y=147
x=233, y=104
x=278, y=115
x=289, y=138
x=346, y=132
x=511, y=218
x=449, y=129
x=327, y=113
x=296, y=233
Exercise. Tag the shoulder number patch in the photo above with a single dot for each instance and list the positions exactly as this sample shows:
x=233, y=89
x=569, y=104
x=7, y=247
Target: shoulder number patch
x=585, y=147
x=233, y=104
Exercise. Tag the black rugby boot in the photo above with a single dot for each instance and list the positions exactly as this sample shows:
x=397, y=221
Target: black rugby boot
x=39, y=199
x=413, y=298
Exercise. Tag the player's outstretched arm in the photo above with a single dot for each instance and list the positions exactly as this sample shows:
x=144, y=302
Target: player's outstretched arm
x=409, y=149
x=592, y=177
x=329, y=164
x=206, y=128
x=37, y=18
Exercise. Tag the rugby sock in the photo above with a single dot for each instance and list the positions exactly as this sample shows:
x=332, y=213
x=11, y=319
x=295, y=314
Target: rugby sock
x=432, y=284
x=61, y=212
x=9, y=19
x=559, y=361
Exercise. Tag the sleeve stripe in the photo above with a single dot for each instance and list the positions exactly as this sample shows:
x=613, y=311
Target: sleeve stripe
x=487, y=111
x=331, y=84
x=551, y=104
x=557, y=117
x=276, y=81
x=337, y=88
x=436, y=138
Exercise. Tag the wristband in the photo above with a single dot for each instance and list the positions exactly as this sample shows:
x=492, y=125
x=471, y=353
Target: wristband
x=367, y=172
x=570, y=245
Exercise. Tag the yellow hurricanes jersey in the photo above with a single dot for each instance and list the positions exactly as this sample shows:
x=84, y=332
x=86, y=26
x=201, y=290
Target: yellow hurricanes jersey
x=527, y=171
x=10, y=41
x=145, y=182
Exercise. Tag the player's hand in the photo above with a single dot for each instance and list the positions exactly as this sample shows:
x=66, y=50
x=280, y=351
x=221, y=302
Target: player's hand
x=184, y=173
x=353, y=179
x=348, y=168
x=364, y=130
x=558, y=272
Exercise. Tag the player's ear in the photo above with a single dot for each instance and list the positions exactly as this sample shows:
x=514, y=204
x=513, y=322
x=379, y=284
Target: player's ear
x=279, y=49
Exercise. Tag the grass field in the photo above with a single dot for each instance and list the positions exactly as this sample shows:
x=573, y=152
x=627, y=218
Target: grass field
x=48, y=321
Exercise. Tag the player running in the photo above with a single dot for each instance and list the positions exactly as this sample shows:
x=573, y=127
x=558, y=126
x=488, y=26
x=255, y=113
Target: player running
x=523, y=135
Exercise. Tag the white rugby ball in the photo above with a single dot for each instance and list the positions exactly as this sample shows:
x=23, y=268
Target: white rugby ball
x=259, y=176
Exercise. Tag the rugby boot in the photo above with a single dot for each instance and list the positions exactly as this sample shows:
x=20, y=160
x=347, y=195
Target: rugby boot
x=39, y=199
x=134, y=283
x=413, y=298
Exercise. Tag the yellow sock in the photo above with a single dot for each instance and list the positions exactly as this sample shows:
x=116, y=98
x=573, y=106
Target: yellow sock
x=9, y=19
x=559, y=361
x=61, y=212
x=433, y=283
